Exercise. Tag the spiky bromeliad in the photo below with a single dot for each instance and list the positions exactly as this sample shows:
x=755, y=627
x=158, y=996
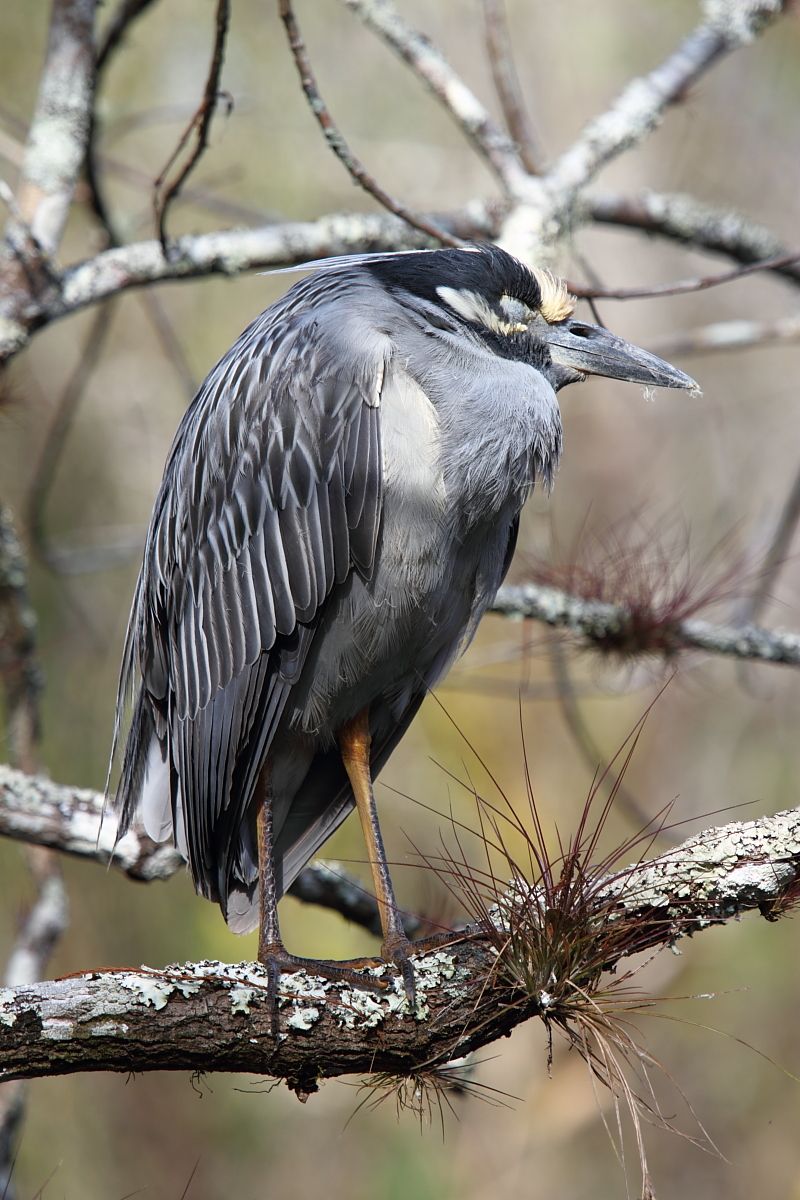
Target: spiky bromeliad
x=338, y=509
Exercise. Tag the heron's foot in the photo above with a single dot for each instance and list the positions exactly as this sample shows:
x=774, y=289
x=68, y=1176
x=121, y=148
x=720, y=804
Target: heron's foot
x=396, y=950
x=278, y=961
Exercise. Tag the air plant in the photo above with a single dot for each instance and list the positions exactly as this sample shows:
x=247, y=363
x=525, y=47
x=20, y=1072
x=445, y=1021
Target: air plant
x=429, y=1090
x=559, y=926
x=647, y=569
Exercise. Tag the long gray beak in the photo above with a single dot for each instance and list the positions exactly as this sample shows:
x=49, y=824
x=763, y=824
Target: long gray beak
x=594, y=351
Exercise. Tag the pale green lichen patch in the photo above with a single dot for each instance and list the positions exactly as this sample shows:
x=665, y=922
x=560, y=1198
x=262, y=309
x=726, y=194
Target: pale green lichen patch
x=300, y=993
x=365, y=1009
x=240, y=998
x=7, y=996
x=302, y=1018
x=152, y=990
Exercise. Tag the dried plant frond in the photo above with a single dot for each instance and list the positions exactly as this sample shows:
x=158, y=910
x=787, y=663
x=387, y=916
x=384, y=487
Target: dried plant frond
x=558, y=930
x=649, y=570
x=429, y=1091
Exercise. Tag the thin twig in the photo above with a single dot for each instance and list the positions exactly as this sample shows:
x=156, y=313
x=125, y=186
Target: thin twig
x=168, y=338
x=776, y=555
x=337, y=143
x=491, y=142
x=200, y=126
x=117, y=27
x=680, y=286
x=506, y=82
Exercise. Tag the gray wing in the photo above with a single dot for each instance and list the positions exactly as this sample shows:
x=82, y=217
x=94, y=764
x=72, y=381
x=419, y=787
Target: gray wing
x=271, y=495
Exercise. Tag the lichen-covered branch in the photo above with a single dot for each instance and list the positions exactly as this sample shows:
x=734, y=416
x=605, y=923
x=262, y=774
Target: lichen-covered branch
x=77, y=821
x=228, y=252
x=691, y=222
x=605, y=624
x=212, y=1017
x=36, y=810
x=544, y=211
x=54, y=152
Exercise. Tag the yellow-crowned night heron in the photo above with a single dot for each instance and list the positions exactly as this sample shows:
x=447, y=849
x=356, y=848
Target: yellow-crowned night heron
x=339, y=507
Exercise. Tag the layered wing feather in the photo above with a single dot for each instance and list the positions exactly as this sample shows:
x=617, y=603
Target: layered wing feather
x=271, y=496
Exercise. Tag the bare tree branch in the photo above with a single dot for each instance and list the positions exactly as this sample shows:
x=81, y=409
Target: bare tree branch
x=49, y=916
x=77, y=821
x=224, y=253
x=36, y=810
x=586, y=292
x=636, y=112
x=506, y=82
x=597, y=621
x=57, y=136
x=114, y=32
x=538, y=220
x=212, y=1017
x=689, y=221
x=54, y=153
x=337, y=143
x=200, y=126
x=491, y=142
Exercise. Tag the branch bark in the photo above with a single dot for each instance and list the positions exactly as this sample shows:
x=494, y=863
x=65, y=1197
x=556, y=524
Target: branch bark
x=600, y=623
x=228, y=252
x=212, y=1017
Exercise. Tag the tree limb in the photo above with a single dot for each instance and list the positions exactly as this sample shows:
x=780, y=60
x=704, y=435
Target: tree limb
x=491, y=142
x=602, y=623
x=338, y=145
x=77, y=821
x=506, y=84
x=228, y=252
x=212, y=1017
x=538, y=220
x=689, y=221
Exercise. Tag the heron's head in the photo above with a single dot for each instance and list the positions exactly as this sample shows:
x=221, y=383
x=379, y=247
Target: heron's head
x=521, y=313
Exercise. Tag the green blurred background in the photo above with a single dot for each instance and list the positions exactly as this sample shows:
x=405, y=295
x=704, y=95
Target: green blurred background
x=716, y=739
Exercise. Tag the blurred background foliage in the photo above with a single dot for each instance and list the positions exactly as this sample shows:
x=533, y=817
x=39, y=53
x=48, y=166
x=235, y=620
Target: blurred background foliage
x=718, y=737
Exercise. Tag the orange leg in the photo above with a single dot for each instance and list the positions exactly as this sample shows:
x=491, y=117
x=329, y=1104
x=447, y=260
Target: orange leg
x=354, y=742
x=271, y=951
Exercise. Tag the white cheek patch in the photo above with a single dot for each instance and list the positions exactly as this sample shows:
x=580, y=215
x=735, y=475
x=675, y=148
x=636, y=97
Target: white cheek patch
x=473, y=307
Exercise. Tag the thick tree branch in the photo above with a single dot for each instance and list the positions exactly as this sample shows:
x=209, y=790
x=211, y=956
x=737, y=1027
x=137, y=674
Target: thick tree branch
x=34, y=809
x=534, y=225
x=604, y=623
x=212, y=1017
x=691, y=222
x=54, y=153
x=229, y=252
x=77, y=821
